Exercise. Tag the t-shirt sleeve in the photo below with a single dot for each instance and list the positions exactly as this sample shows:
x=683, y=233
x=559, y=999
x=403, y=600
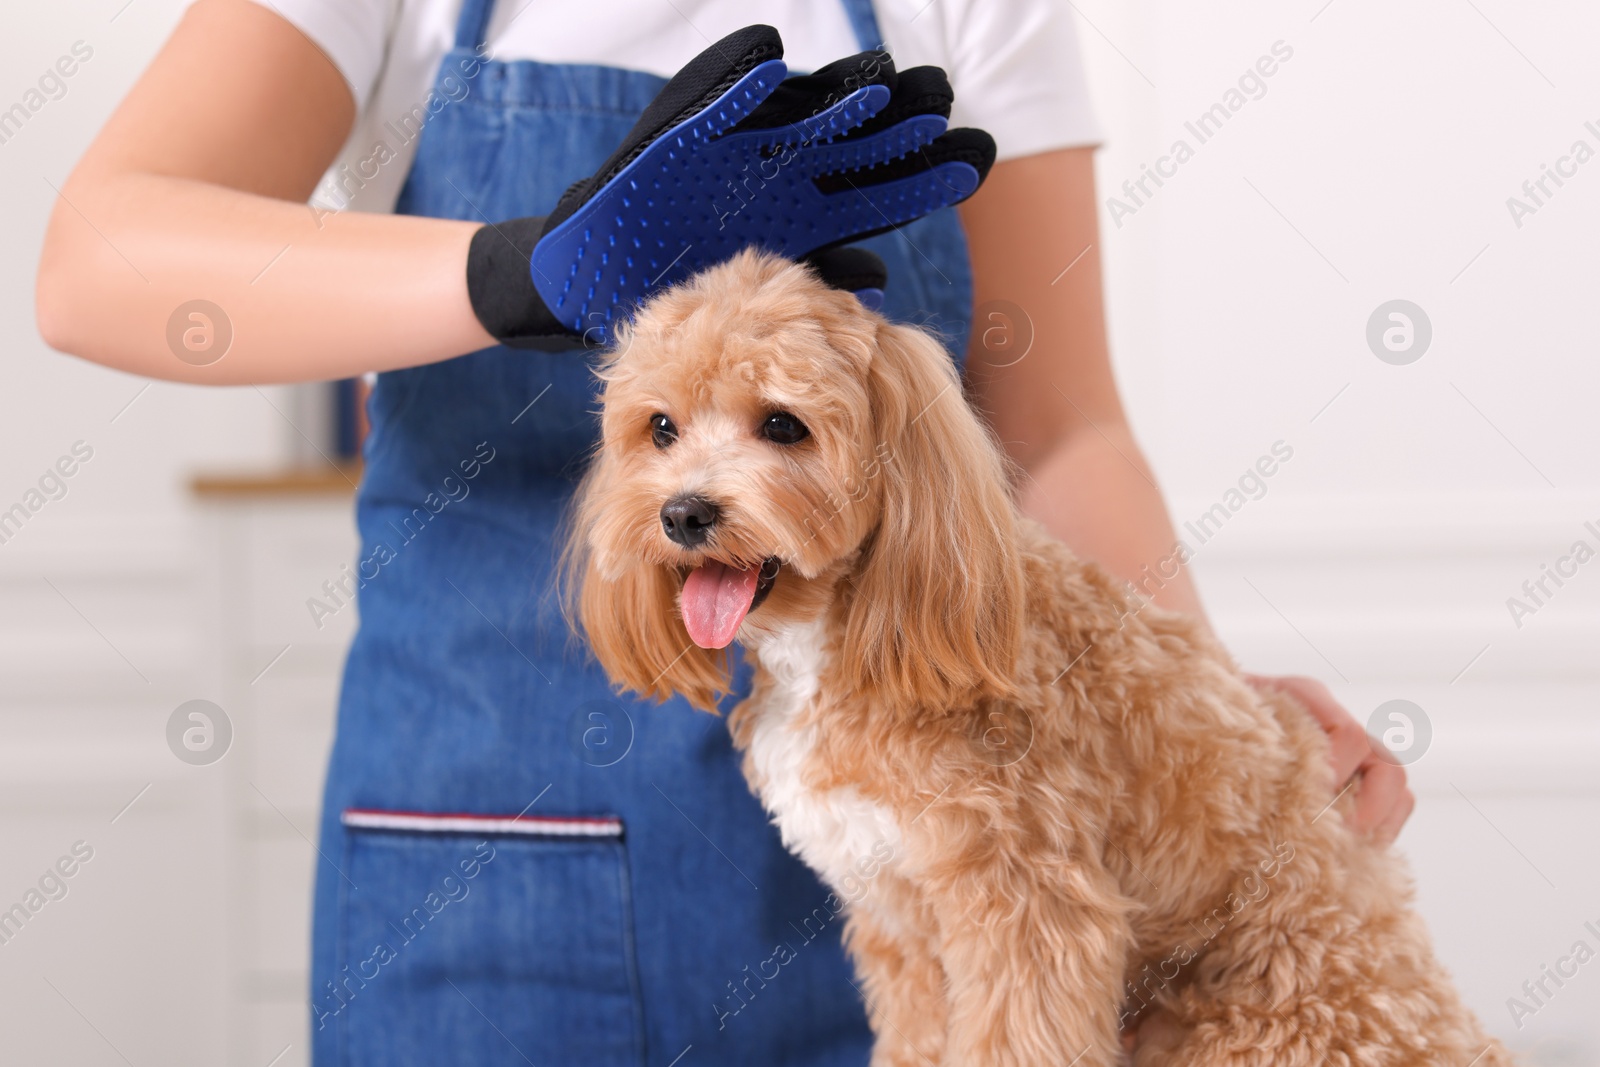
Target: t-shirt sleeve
x=1015, y=66
x=352, y=33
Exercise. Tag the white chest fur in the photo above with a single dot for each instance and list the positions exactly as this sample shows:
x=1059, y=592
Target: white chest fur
x=837, y=831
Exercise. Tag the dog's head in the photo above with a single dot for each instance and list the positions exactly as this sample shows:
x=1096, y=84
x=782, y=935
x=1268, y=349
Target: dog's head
x=772, y=453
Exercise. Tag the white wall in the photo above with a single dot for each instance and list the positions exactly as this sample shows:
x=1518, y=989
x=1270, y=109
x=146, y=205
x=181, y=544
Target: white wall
x=132, y=961
x=1376, y=167
x=142, y=460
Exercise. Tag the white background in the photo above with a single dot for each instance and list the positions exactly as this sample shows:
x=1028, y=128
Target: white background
x=1376, y=166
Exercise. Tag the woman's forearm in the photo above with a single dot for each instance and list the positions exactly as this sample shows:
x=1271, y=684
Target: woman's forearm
x=124, y=254
x=1094, y=492
x=1040, y=368
x=195, y=190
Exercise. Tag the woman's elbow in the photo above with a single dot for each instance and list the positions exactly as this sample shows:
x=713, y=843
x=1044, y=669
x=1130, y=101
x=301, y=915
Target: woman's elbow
x=75, y=297
x=60, y=290
x=52, y=303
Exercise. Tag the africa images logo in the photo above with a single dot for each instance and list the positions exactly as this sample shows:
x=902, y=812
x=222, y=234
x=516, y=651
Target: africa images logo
x=52, y=485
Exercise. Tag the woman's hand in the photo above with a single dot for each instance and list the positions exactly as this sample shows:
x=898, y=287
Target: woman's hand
x=1383, y=801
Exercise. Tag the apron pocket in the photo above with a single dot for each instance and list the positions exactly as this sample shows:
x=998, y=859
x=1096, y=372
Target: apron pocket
x=469, y=939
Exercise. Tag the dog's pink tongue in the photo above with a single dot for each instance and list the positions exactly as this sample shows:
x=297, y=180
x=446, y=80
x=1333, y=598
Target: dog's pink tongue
x=716, y=598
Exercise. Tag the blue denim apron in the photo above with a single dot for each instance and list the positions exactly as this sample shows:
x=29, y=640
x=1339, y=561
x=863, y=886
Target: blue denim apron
x=642, y=904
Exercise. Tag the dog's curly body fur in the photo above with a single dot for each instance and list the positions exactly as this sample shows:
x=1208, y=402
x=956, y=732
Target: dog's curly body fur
x=1085, y=804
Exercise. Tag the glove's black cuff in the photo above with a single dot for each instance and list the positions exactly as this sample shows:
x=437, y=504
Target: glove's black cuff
x=500, y=286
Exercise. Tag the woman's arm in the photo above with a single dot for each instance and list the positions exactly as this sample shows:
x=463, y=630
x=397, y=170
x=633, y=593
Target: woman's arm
x=196, y=189
x=1057, y=410
x=1058, y=413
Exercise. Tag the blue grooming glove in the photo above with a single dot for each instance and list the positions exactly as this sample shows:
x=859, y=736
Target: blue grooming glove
x=730, y=154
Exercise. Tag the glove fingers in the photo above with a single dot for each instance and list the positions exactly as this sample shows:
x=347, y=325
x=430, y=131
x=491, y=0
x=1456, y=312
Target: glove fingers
x=973, y=148
x=963, y=145
x=703, y=81
x=890, y=205
x=884, y=198
x=804, y=95
x=800, y=100
x=918, y=91
x=858, y=153
x=830, y=124
x=916, y=114
x=708, y=76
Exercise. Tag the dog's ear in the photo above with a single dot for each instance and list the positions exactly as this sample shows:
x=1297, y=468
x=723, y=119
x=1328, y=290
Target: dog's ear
x=631, y=621
x=934, y=609
x=633, y=626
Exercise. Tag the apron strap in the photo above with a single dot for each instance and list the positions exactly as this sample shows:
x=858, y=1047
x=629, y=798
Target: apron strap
x=864, y=22
x=472, y=27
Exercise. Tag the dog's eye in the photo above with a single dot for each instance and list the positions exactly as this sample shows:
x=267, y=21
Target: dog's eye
x=662, y=431
x=782, y=428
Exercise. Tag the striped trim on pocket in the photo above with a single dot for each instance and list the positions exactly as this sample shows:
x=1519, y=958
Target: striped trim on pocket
x=521, y=825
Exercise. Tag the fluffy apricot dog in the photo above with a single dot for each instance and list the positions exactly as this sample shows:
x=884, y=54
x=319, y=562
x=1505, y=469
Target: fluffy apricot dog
x=1090, y=813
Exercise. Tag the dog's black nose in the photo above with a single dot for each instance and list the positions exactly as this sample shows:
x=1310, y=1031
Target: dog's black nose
x=688, y=520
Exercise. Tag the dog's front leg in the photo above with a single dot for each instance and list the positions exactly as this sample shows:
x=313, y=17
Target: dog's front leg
x=904, y=988
x=1035, y=962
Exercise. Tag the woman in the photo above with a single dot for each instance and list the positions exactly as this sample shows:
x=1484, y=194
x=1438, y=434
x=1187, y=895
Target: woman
x=632, y=904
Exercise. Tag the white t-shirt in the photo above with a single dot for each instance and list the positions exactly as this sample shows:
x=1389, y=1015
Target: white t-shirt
x=1014, y=64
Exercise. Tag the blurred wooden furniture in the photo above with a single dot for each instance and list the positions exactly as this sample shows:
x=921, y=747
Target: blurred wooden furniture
x=271, y=541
